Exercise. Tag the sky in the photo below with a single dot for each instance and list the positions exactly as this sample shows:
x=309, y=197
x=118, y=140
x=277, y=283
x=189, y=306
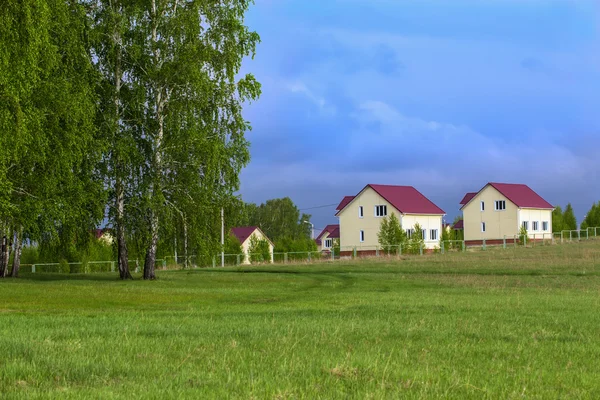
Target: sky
x=441, y=95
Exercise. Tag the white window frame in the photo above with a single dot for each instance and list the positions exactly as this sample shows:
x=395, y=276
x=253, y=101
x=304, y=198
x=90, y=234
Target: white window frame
x=361, y=212
x=535, y=226
x=328, y=243
x=483, y=227
x=383, y=209
x=409, y=233
x=545, y=226
x=500, y=205
x=433, y=234
x=482, y=205
x=525, y=224
x=361, y=236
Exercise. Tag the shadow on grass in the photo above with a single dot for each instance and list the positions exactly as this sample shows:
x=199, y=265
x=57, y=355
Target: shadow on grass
x=49, y=277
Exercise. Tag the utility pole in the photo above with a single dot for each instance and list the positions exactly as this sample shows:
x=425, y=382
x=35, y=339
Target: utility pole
x=222, y=238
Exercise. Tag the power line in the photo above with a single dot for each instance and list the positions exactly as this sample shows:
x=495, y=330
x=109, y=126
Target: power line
x=323, y=206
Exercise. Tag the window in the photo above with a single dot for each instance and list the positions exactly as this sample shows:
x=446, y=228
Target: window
x=362, y=236
x=500, y=205
x=545, y=225
x=361, y=212
x=536, y=225
x=482, y=206
x=526, y=225
x=328, y=243
x=409, y=233
x=433, y=234
x=483, y=227
x=380, y=211
x=424, y=232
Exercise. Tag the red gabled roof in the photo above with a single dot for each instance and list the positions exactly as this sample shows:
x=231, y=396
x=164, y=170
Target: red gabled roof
x=458, y=225
x=345, y=201
x=335, y=234
x=405, y=199
x=243, y=233
x=331, y=229
x=467, y=198
x=521, y=195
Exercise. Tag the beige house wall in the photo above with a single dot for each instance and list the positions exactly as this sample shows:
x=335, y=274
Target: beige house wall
x=351, y=224
x=246, y=246
x=497, y=223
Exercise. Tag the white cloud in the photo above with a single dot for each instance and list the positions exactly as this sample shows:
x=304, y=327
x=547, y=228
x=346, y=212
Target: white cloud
x=319, y=101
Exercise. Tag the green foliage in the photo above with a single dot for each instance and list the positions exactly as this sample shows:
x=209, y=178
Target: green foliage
x=300, y=246
x=523, y=236
x=280, y=219
x=592, y=218
x=47, y=111
x=233, y=245
x=259, y=250
x=391, y=235
x=569, y=220
x=416, y=241
x=558, y=224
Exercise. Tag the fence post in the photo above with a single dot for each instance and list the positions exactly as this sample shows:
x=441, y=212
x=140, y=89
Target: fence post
x=570, y=236
x=442, y=247
x=214, y=262
x=112, y=266
x=309, y=256
x=483, y=244
x=33, y=269
x=421, y=249
x=164, y=264
x=332, y=254
x=464, y=247
x=524, y=240
x=285, y=258
x=533, y=243
x=504, y=242
x=399, y=250
x=354, y=252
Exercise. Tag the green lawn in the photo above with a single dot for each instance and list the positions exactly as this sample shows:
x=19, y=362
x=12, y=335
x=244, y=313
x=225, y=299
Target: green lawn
x=517, y=323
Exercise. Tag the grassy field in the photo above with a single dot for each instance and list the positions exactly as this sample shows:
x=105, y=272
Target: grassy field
x=517, y=323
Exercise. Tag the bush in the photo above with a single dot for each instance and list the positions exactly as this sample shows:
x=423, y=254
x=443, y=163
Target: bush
x=391, y=235
x=523, y=236
x=259, y=250
x=416, y=242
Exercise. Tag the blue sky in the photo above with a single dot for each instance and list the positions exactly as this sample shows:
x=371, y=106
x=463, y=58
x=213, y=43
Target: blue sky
x=442, y=95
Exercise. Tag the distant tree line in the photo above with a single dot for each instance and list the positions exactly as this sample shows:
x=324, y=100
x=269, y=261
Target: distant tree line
x=279, y=219
x=121, y=112
x=564, y=220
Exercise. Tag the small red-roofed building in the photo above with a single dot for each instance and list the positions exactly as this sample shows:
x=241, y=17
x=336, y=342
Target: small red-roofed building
x=327, y=238
x=244, y=235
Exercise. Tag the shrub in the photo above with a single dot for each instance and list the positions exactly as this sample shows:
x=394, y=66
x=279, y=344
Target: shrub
x=259, y=250
x=523, y=236
x=416, y=242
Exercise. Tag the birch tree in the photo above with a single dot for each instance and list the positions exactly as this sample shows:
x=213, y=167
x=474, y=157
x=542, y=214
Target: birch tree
x=188, y=58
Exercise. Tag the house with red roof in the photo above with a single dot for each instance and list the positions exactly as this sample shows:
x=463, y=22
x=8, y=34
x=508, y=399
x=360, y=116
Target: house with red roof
x=244, y=235
x=499, y=210
x=328, y=237
x=360, y=216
